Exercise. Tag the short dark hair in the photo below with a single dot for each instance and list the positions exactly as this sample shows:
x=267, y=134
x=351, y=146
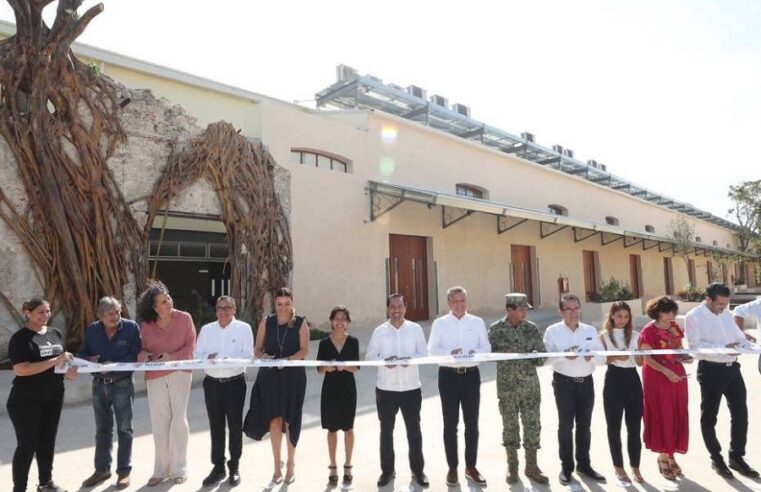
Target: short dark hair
x=147, y=299
x=566, y=298
x=511, y=305
x=340, y=309
x=662, y=304
x=717, y=289
x=284, y=292
x=396, y=295
x=33, y=303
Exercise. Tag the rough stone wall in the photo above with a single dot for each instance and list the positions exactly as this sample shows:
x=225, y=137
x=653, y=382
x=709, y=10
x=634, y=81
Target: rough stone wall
x=152, y=125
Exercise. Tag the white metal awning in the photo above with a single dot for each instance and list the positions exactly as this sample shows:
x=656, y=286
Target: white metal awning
x=384, y=197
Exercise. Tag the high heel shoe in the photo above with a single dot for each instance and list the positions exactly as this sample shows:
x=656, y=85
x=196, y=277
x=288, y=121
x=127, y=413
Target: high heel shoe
x=290, y=476
x=333, y=477
x=348, y=477
x=277, y=477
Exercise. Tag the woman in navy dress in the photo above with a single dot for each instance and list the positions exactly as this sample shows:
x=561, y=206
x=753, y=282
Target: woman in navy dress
x=277, y=397
x=338, y=404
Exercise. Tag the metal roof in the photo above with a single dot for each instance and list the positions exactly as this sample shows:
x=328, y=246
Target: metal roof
x=369, y=92
x=384, y=197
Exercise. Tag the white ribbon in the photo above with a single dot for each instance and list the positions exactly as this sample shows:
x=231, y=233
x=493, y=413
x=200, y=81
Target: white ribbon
x=84, y=366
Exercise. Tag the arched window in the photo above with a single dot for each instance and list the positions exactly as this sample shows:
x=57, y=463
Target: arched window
x=650, y=229
x=471, y=191
x=557, y=209
x=318, y=159
x=611, y=220
x=715, y=242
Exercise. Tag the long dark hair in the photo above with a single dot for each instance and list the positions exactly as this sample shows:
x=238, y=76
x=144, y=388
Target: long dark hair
x=147, y=299
x=610, y=324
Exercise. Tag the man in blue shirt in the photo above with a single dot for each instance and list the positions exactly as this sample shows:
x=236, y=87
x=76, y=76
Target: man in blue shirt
x=111, y=339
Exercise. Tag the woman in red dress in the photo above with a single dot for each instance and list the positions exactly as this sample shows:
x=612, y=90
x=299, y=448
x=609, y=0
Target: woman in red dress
x=664, y=384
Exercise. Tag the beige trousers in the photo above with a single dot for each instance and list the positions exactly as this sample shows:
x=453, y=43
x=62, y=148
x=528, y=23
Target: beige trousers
x=168, y=404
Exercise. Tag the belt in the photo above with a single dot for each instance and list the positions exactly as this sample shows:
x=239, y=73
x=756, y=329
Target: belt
x=717, y=364
x=110, y=380
x=459, y=370
x=227, y=380
x=568, y=379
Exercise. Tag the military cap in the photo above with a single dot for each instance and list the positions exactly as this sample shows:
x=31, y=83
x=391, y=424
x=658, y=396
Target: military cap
x=520, y=300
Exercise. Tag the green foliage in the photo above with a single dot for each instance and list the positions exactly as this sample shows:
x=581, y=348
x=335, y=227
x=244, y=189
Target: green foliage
x=612, y=291
x=93, y=70
x=690, y=293
x=317, y=334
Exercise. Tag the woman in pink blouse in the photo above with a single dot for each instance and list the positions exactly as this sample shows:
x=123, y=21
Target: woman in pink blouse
x=167, y=334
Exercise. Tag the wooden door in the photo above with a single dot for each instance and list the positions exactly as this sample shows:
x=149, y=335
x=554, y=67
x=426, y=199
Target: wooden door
x=590, y=274
x=520, y=258
x=668, y=276
x=691, y=273
x=408, y=271
x=635, y=269
x=709, y=272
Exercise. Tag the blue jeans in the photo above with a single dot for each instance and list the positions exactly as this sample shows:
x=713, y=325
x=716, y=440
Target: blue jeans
x=109, y=400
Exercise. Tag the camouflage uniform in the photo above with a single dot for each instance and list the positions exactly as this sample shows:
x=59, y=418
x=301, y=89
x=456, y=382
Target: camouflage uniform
x=517, y=382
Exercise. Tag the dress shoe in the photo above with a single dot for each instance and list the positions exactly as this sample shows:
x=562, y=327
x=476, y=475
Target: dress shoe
x=385, y=479
x=741, y=466
x=122, y=481
x=50, y=486
x=721, y=468
x=97, y=478
x=421, y=479
x=564, y=477
x=216, y=476
x=472, y=474
x=452, y=479
x=588, y=471
x=234, y=478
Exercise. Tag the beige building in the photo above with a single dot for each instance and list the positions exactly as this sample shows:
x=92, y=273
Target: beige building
x=390, y=190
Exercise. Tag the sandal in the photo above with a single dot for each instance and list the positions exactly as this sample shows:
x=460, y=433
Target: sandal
x=637, y=475
x=333, y=477
x=676, y=468
x=348, y=477
x=622, y=476
x=277, y=478
x=290, y=476
x=664, y=466
x=153, y=481
x=181, y=479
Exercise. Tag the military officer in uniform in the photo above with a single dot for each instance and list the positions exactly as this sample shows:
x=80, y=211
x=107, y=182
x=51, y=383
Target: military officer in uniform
x=518, y=385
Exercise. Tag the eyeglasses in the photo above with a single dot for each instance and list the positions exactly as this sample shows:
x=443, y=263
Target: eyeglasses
x=224, y=308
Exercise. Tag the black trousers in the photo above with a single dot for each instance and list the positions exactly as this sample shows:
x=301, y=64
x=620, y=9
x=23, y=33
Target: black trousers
x=575, y=399
x=224, y=403
x=389, y=403
x=622, y=399
x=460, y=390
x=717, y=380
x=35, y=420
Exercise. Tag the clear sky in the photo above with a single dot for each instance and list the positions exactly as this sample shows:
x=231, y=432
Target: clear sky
x=667, y=93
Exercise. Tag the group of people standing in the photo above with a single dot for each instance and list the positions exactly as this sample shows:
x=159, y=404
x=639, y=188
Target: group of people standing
x=659, y=400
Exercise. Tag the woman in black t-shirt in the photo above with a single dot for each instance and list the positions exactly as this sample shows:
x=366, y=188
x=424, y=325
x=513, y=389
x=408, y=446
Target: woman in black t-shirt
x=36, y=398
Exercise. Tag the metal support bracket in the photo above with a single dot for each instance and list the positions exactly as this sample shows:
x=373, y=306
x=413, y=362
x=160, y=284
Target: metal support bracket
x=635, y=242
x=382, y=203
x=452, y=215
x=645, y=247
x=546, y=230
x=665, y=247
x=578, y=235
x=610, y=241
x=503, y=224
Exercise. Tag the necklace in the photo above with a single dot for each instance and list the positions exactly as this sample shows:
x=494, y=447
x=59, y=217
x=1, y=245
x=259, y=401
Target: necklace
x=281, y=342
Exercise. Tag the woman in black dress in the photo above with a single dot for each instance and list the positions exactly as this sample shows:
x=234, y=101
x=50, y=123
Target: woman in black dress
x=277, y=397
x=34, y=404
x=338, y=404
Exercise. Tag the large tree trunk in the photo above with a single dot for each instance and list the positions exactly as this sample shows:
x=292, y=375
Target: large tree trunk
x=59, y=118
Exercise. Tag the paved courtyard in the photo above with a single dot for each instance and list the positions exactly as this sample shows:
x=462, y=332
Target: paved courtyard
x=75, y=448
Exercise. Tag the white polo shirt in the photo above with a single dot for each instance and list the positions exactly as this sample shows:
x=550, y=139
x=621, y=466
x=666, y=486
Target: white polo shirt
x=560, y=337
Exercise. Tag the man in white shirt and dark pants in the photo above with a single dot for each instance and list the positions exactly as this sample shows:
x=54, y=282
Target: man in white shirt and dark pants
x=710, y=325
x=225, y=388
x=460, y=333
x=573, y=386
x=398, y=387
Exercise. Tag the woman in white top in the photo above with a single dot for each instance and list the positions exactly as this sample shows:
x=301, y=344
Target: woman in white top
x=622, y=393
